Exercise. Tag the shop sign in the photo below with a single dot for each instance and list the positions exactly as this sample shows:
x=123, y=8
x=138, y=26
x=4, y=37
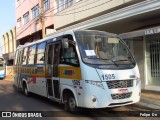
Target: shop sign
x=152, y=31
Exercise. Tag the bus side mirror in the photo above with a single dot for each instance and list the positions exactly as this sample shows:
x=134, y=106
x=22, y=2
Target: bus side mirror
x=65, y=43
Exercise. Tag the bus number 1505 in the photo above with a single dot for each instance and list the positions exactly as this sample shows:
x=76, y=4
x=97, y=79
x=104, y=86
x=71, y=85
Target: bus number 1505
x=108, y=76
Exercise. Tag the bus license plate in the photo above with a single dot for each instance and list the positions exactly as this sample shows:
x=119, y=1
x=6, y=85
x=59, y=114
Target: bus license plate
x=121, y=91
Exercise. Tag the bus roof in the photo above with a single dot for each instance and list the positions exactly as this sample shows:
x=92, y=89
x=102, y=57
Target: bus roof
x=39, y=41
x=56, y=34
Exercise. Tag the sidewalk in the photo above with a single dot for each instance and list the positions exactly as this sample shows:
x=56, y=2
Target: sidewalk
x=9, y=78
x=149, y=100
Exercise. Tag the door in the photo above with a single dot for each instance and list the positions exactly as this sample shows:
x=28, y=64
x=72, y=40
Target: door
x=53, y=81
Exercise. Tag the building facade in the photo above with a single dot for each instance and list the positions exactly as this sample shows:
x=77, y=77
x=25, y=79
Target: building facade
x=31, y=17
x=136, y=21
x=8, y=48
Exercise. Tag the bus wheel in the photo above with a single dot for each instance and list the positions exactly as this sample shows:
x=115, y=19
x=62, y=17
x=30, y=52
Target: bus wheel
x=25, y=89
x=70, y=104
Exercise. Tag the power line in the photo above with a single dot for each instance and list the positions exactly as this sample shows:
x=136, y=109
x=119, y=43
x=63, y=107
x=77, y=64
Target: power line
x=67, y=11
x=62, y=4
x=44, y=16
x=62, y=14
x=29, y=24
x=81, y=10
x=80, y=6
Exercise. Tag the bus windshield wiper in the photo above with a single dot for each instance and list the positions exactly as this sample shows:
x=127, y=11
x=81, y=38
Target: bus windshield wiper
x=99, y=58
x=124, y=60
x=114, y=62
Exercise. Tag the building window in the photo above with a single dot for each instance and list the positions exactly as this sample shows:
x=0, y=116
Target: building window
x=46, y=5
x=26, y=18
x=62, y=4
x=35, y=11
x=19, y=23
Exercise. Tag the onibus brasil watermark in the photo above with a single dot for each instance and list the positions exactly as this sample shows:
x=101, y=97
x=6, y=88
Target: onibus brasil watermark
x=21, y=114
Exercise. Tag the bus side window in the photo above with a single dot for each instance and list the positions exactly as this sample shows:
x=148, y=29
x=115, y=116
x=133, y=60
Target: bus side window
x=24, y=58
x=41, y=53
x=69, y=55
x=16, y=58
x=31, y=54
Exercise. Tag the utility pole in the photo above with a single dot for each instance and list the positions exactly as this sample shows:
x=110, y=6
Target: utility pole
x=42, y=19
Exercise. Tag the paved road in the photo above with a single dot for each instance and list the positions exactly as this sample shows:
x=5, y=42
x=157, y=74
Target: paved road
x=11, y=100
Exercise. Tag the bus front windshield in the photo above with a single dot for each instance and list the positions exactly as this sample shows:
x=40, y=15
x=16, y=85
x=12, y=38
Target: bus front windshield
x=103, y=48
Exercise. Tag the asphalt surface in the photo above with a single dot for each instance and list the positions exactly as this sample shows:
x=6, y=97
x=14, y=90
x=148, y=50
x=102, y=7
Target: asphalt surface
x=13, y=101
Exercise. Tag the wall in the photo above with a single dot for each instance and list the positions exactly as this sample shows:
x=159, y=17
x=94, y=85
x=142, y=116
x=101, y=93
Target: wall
x=9, y=46
x=9, y=41
x=87, y=9
x=9, y=70
x=139, y=56
x=3, y=45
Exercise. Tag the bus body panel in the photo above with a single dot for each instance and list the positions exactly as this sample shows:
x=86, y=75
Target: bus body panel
x=103, y=93
x=71, y=88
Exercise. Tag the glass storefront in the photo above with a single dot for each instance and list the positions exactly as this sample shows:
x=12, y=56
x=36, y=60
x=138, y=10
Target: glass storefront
x=153, y=59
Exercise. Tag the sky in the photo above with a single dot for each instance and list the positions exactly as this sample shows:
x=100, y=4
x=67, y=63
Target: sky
x=7, y=17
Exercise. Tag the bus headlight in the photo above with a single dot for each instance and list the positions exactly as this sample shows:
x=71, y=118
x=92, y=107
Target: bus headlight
x=96, y=83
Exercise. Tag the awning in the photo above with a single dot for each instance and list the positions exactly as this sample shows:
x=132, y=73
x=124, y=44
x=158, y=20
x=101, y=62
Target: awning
x=145, y=32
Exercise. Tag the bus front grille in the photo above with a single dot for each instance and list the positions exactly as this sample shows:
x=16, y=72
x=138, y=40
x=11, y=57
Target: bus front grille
x=121, y=96
x=119, y=84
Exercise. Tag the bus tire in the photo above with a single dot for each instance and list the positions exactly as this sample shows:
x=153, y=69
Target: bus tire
x=70, y=104
x=25, y=90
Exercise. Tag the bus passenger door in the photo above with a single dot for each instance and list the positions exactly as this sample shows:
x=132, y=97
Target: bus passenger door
x=53, y=83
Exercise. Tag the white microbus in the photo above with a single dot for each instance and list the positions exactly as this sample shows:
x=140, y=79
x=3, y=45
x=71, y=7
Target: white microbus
x=79, y=68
